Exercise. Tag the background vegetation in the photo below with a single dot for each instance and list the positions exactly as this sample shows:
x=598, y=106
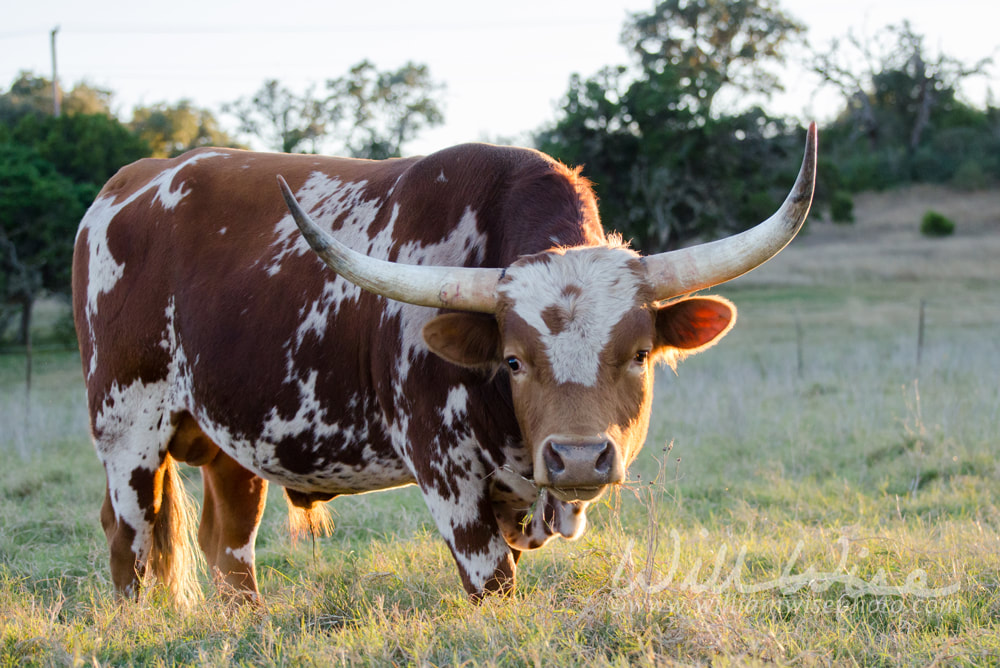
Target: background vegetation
x=670, y=164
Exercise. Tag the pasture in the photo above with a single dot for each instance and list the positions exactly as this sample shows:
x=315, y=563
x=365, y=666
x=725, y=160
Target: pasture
x=817, y=489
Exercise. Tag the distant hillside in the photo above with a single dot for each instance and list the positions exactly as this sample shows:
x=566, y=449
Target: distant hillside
x=885, y=241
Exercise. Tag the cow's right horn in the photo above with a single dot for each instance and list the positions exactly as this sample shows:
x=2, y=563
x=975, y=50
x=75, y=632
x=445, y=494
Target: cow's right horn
x=459, y=288
x=686, y=270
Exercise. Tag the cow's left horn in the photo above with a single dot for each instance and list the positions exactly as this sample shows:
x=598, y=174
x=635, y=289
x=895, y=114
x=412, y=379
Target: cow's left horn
x=689, y=269
x=459, y=288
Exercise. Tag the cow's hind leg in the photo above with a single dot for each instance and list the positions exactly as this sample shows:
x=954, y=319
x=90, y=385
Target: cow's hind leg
x=146, y=516
x=234, y=505
x=231, y=512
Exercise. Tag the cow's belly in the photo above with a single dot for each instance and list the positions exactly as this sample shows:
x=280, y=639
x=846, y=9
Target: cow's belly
x=332, y=475
x=333, y=461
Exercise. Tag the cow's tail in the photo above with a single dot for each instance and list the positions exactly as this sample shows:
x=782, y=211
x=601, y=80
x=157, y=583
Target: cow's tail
x=174, y=559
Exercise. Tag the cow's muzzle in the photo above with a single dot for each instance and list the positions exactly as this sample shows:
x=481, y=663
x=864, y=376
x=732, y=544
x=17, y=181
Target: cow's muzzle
x=578, y=469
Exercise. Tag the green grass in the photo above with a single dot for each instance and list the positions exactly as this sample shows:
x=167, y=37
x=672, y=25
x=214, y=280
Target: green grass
x=820, y=486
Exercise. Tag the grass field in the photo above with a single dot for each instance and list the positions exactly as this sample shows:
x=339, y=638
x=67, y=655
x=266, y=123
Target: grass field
x=809, y=494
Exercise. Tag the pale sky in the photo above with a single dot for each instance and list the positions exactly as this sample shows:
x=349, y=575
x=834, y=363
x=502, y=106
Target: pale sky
x=505, y=69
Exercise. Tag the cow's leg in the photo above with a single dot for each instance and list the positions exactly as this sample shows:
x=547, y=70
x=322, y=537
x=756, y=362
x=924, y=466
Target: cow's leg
x=145, y=518
x=129, y=540
x=129, y=436
x=231, y=511
x=233, y=507
x=462, y=509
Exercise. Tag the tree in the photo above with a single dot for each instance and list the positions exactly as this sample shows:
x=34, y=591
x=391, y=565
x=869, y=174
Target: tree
x=901, y=102
x=172, y=129
x=30, y=94
x=367, y=112
x=39, y=212
x=283, y=120
x=381, y=111
x=893, y=94
x=708, y=45
x=666, y=166
x=87, y=148
x=50, y=170
x=87, y=99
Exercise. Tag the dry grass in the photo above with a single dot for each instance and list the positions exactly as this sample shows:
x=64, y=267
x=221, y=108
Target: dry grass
x=808, y=454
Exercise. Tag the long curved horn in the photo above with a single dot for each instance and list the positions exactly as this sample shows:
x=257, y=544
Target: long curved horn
x=689, y=269
x=459, y=288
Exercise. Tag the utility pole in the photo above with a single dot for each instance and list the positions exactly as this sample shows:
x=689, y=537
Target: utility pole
x=56, y=101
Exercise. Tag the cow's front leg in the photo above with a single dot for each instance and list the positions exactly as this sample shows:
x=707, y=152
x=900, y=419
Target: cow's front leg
x=463, y=512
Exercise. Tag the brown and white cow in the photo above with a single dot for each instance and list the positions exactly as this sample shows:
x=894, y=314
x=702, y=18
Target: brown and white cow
x=484, y=340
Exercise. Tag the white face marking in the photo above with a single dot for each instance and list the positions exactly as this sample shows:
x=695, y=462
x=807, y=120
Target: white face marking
x=594, y=285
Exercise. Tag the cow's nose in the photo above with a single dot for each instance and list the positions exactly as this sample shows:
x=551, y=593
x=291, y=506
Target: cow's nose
x=580, y=463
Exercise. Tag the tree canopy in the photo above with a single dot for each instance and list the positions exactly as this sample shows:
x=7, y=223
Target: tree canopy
x=666, y=167
x=673, y=158
x=284, y=120
x=902, y=118
x=704, y=46
x=50, y=170
x=365, y=113
x=30, y=94
x=171, y=129
x=380, y=111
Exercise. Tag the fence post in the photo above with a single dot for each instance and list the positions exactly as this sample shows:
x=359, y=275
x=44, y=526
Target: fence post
x=920, y=333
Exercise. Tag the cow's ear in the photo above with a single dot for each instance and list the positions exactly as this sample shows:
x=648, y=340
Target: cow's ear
x=467, y=339
x=689, y=326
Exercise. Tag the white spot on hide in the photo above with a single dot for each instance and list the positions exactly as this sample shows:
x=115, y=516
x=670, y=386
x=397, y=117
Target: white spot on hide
x=246, y=553
x=457, y=406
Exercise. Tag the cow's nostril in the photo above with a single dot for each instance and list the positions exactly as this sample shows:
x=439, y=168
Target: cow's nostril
x=605, y=459
x=553, y=462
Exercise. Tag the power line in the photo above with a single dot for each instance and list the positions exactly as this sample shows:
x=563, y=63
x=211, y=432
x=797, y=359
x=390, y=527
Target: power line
x=435, y=26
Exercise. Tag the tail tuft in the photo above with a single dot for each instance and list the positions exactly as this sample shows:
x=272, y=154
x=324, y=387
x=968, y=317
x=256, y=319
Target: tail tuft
x=307, y=516
x=174, y=560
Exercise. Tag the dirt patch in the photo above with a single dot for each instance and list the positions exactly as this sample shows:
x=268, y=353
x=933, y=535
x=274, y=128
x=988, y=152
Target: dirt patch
x=885, y=241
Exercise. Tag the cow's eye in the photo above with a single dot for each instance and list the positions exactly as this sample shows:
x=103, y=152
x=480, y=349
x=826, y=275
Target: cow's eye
x=641, y=357
x=513, y=364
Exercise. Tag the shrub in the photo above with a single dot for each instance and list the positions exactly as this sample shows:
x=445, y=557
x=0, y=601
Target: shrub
x=970, y=175
x=936, y=224
x=842, y=207
x=756, y=206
